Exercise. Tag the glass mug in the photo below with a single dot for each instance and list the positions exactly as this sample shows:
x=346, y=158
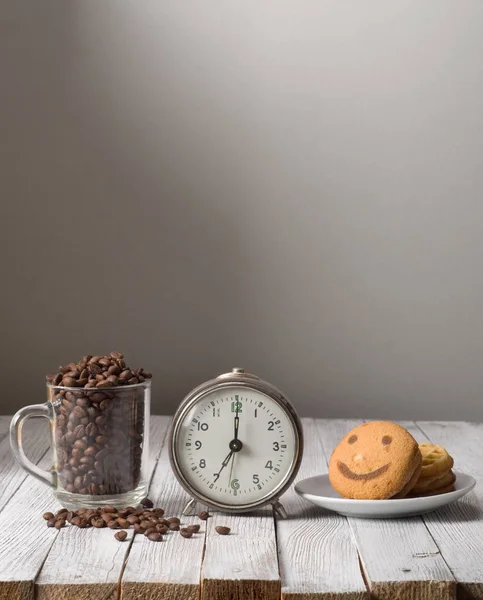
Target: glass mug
x=99, y=439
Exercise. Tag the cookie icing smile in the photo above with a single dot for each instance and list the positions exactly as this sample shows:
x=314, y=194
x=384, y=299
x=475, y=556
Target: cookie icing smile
x=344, y=469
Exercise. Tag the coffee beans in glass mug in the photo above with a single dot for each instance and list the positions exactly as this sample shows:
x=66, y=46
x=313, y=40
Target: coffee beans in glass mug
x=99, y=424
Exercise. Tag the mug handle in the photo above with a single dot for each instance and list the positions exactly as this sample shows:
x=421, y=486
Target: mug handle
x=36, y=410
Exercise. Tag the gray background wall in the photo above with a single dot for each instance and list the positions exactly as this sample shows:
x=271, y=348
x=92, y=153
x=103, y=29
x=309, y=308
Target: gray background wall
x=290, y=186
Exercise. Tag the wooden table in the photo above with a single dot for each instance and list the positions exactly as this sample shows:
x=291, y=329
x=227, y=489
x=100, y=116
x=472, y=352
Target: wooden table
x=313, y=555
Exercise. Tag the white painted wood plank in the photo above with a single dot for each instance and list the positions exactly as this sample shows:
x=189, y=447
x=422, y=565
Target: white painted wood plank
x=243, y=564
x=318, y=557
x=399, y=557
x=91, y=559
x=25, y=540
x=169, y=569
x=458, y=528
x=36, y=435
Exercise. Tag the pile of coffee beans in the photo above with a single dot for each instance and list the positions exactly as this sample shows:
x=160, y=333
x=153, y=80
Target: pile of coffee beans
x=147, y=521
x=99, y=424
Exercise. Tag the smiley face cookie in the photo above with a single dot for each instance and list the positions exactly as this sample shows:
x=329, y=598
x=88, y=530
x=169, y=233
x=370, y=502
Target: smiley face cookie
x=374, y=461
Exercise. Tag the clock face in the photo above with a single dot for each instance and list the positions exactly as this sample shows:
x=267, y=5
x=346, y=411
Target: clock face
x=235, y=445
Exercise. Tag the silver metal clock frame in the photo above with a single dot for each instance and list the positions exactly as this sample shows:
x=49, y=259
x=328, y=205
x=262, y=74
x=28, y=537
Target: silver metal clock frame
x=241, y=379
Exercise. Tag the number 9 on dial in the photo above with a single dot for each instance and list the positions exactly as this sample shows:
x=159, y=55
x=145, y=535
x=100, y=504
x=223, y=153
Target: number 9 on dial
x=235, y=443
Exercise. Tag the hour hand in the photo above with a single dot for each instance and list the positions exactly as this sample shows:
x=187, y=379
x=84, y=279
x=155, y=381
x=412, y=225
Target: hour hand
x=223, y=465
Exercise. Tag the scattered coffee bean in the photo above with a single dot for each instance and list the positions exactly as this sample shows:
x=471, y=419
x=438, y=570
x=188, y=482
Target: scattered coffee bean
x=97, y=522
x=123, y=523
x=133, y=519
x=147, y=503
x=185, y=533
x=203, y=515
x=222, y=530
x=162, y=529
x=149, y=522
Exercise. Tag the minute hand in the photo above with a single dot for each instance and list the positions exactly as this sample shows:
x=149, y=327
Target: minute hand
x=237, y=422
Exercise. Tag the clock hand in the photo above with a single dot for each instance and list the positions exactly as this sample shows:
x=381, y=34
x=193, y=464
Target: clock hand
x=223, y=465
x=236, y=445
x=231, y=467
x=237, y=422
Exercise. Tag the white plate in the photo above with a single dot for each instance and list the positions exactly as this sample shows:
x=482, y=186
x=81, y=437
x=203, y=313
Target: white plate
x=319, y=491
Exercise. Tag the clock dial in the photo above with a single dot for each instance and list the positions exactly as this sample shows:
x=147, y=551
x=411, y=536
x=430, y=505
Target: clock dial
x=236, y=445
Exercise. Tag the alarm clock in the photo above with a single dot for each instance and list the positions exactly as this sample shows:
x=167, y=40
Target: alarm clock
x=235, y=444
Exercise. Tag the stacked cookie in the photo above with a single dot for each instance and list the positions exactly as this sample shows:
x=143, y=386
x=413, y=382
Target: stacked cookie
x=436, y=476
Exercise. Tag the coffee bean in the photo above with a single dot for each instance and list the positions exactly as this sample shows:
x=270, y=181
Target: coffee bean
x=147, y=503
x=173, y=520
x=137, y=528
x=145, y=524
x=127, y=374
x=149, y=530
x=47, y=516
x=51, y=522
x=98, y=522
x=159, y=512
x=133, y=519
x=61, y=511
x=121, y=535
x=163, y=529
x=222, y=530
x=113, y=524
x=193, y=528
x=69, y=382
x=155, y=537
x=173, y=526
x=185, y=533
x=203, y=515
x=124, y=523
x=60, y=523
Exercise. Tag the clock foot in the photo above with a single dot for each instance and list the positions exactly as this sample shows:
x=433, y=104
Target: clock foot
x=190, y=509
x=280, y=510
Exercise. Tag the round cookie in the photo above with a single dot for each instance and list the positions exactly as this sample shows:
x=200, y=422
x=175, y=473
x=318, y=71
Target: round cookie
x=374, y=461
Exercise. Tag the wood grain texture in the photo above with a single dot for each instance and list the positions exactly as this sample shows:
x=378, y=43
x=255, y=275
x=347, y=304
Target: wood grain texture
x=399, y=557
x=36, y=435
x=91, y=559
x=317, y=555
x=167, y=570
x=458, y=528
x=25, y=540
x=244, y=564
